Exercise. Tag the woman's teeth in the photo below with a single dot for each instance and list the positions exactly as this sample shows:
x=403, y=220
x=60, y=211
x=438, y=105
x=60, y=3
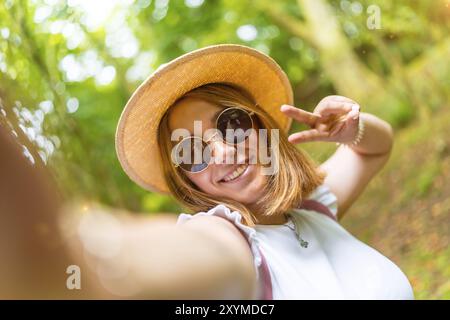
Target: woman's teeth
x=236, y=173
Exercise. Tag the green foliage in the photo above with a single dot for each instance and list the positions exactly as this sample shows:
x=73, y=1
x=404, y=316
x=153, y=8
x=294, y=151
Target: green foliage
x=56, y=51
x=67, y=69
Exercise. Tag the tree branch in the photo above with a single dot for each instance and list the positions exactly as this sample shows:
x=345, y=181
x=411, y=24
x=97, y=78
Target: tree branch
x=286, y=21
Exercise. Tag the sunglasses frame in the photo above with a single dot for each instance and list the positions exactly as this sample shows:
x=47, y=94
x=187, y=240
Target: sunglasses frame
x=249, y=113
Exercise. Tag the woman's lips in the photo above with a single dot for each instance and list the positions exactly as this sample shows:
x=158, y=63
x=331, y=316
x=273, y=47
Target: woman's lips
x=237, y=171
x=243, y=173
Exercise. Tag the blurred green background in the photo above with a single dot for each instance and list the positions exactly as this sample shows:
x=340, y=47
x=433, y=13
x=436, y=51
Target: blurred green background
x=67, y=69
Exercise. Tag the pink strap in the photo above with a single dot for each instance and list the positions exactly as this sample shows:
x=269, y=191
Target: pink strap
x=314, y=205
x=267, y=282
x=307, y=204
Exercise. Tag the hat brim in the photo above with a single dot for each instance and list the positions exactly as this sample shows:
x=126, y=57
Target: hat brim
x=137, y=144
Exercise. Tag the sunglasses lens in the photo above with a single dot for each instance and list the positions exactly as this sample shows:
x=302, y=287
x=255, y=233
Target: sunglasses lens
x=193, y=154
x=233, y=124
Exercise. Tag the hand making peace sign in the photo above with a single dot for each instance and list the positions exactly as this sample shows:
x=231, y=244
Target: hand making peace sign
x=335, y=119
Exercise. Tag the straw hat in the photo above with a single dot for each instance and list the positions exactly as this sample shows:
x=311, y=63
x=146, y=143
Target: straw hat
x=137, y=130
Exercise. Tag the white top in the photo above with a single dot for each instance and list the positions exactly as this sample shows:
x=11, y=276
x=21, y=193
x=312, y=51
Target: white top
x=335, y=265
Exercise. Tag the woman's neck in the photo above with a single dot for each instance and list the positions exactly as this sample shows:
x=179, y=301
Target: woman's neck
x=278, y=218
x=281, y=219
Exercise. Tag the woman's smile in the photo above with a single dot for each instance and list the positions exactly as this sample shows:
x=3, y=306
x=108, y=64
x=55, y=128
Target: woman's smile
x=235, y=174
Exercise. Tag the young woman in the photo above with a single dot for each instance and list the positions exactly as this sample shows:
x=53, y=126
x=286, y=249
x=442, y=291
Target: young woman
x=259, y=229
x=288, y=215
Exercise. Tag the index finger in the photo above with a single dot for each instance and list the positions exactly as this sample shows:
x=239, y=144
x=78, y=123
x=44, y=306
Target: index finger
x=300, y=115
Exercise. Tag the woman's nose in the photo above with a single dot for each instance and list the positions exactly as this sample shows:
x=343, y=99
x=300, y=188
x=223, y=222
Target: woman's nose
x=222, y=152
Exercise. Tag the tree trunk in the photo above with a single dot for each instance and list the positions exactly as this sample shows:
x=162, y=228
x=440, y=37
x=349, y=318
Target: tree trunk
x=349, y=76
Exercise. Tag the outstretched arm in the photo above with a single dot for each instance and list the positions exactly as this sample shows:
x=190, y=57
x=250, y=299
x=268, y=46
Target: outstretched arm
x=120, y=255
x=152, y=258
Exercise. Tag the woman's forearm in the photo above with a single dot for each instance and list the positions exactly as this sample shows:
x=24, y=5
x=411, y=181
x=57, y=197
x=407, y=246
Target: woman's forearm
x=141, y=257
x=377, y=138
x=114, y=254
x=127, y=257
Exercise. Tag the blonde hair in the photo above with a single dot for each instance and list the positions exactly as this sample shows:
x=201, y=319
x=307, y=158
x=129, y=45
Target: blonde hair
x=295, y=179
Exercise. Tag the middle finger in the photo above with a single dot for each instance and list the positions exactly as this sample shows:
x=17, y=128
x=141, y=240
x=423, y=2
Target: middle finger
x=334, y=107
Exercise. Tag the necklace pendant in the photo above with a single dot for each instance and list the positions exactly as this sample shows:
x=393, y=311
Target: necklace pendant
x=303, y=243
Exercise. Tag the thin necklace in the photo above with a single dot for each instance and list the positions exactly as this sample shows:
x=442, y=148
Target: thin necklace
x=293, y=226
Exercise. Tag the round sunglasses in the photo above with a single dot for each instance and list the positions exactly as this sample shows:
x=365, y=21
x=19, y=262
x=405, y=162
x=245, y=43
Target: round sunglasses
x=232, y=124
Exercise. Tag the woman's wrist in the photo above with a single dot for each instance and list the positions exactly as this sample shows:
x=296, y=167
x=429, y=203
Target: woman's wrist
x=373, y=137
x=358, y=136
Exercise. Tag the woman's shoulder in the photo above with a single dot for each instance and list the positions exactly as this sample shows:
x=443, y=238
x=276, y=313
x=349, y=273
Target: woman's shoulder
x=322, y=199
x=233, y=217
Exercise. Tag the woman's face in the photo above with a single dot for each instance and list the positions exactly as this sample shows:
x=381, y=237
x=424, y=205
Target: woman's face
x=238, y=181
